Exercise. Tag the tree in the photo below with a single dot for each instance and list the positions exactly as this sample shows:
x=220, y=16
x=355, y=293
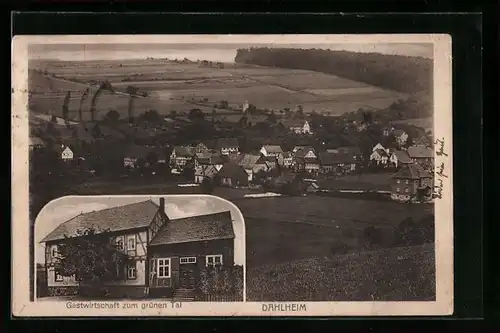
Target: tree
x=223, y=104
x=96, y=131
x=151, y=159
x=152, y=116
x=173, y=114
x=91, y=258
x=112, y=115
x=206, y=186
x=196, y=114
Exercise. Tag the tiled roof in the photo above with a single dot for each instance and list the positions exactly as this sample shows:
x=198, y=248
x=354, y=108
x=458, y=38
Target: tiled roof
x=131, y=216
x=382, y=152
x=183, y=151
x=235, y=158
x=412, y=171
x=248, y=161
x=398, y=132
x=231, y=170
x=402, y=156
x=36, y=141
x=293, y=122
x=301, y=153
x=137, y=151
x=287, y=154
x=196, y=228
x=420, y=152
x=273, y=149
x=332, y=158
x=227, y=143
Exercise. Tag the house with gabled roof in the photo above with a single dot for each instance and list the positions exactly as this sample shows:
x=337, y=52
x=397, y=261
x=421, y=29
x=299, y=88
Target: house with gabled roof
x=298, y=126
x=422, y=155
x=227, y=146
x=336, y=162
x=181, y=156
x=271, y=150
x=164, y=256
x=399, y=158
x=233, y=175
x=379, y=155
x=411, y=183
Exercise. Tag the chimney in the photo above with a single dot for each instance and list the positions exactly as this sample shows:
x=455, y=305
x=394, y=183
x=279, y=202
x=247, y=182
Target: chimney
x=162, y=205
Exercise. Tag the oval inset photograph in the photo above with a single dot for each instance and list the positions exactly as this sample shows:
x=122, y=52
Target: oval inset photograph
x=178, y=247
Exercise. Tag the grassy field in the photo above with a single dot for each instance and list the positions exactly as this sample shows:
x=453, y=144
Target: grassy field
x=425, y=123
x=398, y=274
x=171, y=86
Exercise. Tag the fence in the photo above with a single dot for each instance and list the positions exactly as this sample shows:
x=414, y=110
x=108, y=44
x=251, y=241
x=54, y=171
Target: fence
x=219, y=298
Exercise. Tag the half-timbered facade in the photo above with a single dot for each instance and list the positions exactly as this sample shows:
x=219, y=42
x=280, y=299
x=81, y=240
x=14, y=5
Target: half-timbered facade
x=162, y=254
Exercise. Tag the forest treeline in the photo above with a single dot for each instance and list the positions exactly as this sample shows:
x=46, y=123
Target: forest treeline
x=400, y=73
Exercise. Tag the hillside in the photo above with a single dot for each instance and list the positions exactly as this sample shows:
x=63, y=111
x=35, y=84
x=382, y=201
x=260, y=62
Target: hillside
x=400, y=73
x=396, y=274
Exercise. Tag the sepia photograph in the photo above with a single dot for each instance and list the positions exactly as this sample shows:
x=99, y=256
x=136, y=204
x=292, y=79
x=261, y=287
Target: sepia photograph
x=123, y=247
x=143, y=152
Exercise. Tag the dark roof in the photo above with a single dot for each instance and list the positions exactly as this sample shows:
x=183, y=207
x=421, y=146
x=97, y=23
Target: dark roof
x=248, y=161
x=402, y=156
x=301, y=153
x=131, y=216
x=235, y=158
x=196, y=228
x=354, y=150
x=398, y=132
x=293, y=122
x=420, y=152
x=36, y=141
x=183, y=151
x=333, y=159
x=227, y=143
x=138, y=151
x=231, y=170
x=275, y=149
x=412, y=171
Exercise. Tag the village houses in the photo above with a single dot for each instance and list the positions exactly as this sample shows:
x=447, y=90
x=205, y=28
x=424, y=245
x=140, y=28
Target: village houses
x=306, y=159
x=206, y=166
x=164, y=256
x=422, y=155
x=181, y=156
x=341, y=163
x=233, y=175
x=35, y=142
x=227, y=146
x=379, y=155
x=271, y=150
x=411, y=183
x=399, y=158
x=298, y=126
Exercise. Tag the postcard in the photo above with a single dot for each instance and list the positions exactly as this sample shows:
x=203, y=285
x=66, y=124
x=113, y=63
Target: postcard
x=232, y=175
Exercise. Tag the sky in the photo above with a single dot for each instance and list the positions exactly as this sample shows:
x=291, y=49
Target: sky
x=176, y=206
x=224, y=52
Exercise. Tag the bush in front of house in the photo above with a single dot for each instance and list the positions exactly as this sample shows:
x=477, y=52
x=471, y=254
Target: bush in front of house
x=410, y=233
x=221, y=284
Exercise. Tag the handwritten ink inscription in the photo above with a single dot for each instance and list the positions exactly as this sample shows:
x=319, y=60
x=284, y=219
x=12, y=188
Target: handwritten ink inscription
x=440, y=170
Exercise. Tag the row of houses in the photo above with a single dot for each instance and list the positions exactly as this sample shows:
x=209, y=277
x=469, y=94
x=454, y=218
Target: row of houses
x=163, y=256
x=418, y=154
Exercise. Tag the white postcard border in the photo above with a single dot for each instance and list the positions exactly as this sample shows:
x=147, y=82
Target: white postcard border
x=443, y=305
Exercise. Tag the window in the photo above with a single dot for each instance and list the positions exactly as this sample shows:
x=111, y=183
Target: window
x=131, y=243
x=397, y=189
x=58, y=276
x=214, y=260
x=119, y=243
x=55, y=253
x=407, y=181
x=131, y=272
x=406, y=189
x=188, y=260
x=163, y=268
x=398, y=181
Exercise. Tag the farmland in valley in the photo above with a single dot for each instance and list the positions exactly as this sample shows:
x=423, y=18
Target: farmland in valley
x=182, y=87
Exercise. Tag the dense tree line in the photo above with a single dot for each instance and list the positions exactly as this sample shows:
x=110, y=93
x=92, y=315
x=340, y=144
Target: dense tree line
x=400, y=73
